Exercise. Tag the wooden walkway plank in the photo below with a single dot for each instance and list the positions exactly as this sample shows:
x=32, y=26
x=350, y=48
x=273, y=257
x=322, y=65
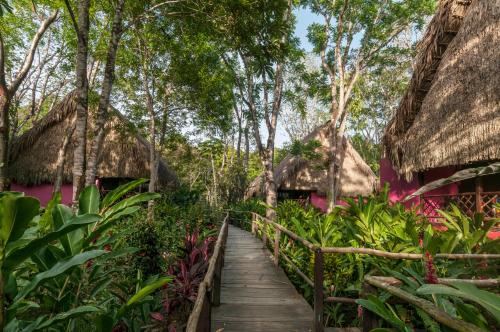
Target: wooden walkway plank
x=255, y=295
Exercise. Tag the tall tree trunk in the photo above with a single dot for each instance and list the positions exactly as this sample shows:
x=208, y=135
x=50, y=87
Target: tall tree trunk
x=81, y=98
x=107, y=85
x=153, y=169
x=246, y=158
x=270, y=186
x=4, y=137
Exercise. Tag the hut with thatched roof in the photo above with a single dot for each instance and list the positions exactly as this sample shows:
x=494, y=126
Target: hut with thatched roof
x=449, y=118
x=124, y=156
x=297, y=177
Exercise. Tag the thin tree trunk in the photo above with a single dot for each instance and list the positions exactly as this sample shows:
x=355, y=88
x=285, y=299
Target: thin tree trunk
x=4, y=137
x=215, y=182
x=246, y=158
x=107, y=85
x=81, y=98
x=270, y=186
x=61, y=157
x=153, y=169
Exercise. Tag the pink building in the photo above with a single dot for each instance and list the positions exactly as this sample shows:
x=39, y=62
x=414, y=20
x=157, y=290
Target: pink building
x=306, y=179
x=449, y=118
x=34, y=159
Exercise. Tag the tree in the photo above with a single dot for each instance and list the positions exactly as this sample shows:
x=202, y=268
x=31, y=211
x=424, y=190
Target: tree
x=82, y=91
x=104, y=97
x=263, y=58
x=8, y=90
x=356, y=35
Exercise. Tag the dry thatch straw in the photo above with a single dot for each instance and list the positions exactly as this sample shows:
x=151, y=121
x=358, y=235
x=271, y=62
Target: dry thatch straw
x=297, y=173
x=450, y=114
x=125, y=154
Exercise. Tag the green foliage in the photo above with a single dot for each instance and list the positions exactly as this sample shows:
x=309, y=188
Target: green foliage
x=488, y=300
x=374, y=222
x=58, y=264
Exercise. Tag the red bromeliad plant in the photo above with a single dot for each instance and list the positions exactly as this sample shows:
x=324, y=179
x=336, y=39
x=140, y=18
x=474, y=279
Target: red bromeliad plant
x=188, y=273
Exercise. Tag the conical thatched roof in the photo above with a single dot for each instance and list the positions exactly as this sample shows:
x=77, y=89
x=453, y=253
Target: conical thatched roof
x=296, y=173
x=125, y=154
x=450, y=114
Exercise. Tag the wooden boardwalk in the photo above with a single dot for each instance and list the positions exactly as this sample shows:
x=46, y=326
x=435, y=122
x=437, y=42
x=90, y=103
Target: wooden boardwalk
x=255, y=295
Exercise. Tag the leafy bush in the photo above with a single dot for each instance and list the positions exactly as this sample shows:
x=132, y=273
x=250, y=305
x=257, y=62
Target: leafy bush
x=55, y=265
x=376, y=223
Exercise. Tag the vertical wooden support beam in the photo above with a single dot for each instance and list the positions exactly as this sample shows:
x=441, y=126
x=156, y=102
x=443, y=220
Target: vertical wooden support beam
x=254, y=224
x=318, y=291
x=217, y=282
x=370, y=320
x=277, y=236
x=479, y=191
x=264, y=233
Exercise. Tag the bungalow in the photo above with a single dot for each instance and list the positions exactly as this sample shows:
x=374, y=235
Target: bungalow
x=125, y=154
x=449, y=118
x=306, y=179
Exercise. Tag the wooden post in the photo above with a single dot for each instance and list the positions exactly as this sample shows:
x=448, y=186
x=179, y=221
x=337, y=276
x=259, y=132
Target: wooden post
x=277, y=236
x=264, y=233
x=217, y=282
x=479, y=190
x=370, y=320
x=254, y=224
x=318, y=291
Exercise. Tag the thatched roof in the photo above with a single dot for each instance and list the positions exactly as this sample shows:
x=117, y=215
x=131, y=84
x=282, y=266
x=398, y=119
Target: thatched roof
x=125, y=154
x=450, y=114
x=297, y=173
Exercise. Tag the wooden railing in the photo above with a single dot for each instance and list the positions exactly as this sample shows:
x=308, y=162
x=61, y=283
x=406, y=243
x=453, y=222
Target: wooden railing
x=209, y=290
x=261, y=225
x=468, y=203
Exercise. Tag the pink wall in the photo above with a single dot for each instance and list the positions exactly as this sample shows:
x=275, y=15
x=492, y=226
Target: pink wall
x=399, y=187
x=319, y=202
x=44, y=192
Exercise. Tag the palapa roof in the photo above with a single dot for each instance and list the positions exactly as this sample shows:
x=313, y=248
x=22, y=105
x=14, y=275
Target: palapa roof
x=297, y=173
x=450, y=114
x=125, y=153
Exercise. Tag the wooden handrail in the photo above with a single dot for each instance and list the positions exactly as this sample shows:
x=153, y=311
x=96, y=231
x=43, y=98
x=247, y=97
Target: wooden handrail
x=427, y=306
x=317, y=284
x=199, y=319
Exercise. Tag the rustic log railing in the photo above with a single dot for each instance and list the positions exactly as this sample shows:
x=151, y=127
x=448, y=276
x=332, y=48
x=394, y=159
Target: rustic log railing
x=469, y=203
x=390, y=285
x=261, y=224
x=209, y=290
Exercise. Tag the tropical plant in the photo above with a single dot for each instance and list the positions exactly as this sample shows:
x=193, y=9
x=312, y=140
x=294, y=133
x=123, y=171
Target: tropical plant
x=54, y=262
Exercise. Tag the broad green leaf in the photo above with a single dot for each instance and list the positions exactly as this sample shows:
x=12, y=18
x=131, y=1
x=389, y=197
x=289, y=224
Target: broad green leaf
x=489, y=301
x=82, y=310
x=131, y=201
x=378, y=307
x=142, y=293
x=17, y=256
x=109, y=222
x=16, y=212
x=46, y=222
x=471, y=314
x=58, y=269
x=72, y=241
x=118, y=192
x=89, y=200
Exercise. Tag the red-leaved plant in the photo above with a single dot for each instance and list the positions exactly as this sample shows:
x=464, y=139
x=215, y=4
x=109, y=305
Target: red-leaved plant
x=188, y=273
